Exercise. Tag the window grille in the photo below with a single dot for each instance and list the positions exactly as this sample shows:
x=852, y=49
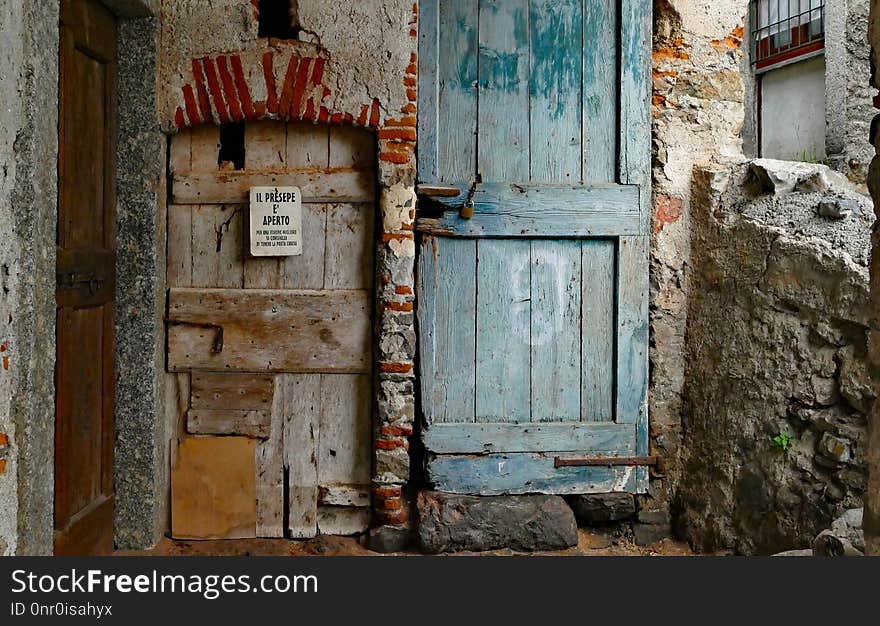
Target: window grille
x=786, y=30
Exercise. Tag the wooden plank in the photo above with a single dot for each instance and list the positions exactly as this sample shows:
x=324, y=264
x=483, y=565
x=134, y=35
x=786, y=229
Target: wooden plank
x=265, y=145
x=269, y=467
x=213, y=492
x=352, y=147
x=308, y=145
x=561, y=437
x=179, y=260
x=351, y=241
x=180, y=160
x=306, y=271
x=555, y=83
x=597, y=343
x=556, y=331
x=217, y=246
x=344, y=495
x=233, y=187
x=429, y=88
x=447, y=312
x=344, y=448
x=254, y=424
x=601, y=79
x=263, y=272
x=205, y=148
x=519, y=473
x=269, y=331
x=457, y=78
x=635, y=93
x=632, y=330
x=504, y=90
x=503, y=331
x=343, y=520
x=511, y=210
x=302, y=407
x=240, y=392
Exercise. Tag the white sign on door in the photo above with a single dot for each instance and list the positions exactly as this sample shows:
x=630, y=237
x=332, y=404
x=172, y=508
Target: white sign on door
x=276, y=221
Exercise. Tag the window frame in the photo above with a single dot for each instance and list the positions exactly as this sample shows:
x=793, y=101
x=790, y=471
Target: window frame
x=769, y=50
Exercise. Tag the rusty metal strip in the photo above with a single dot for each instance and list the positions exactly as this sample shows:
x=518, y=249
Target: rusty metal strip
x=606, y=461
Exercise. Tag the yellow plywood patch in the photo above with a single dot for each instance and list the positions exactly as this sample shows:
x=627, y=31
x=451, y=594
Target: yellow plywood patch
x=213, y=491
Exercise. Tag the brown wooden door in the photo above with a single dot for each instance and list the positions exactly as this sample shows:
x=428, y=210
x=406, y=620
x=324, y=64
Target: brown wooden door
x=86, y=276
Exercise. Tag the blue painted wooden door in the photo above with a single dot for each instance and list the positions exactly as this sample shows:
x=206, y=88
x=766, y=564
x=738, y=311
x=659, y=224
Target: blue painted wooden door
x=533, y=315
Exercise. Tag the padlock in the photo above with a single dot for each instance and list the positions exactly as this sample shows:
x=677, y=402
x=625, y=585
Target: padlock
x=467, y=210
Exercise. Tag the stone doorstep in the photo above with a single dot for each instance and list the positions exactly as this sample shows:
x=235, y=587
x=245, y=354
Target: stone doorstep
x=457, y=523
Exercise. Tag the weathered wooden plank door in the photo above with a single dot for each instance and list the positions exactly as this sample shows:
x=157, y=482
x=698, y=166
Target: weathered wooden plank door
x=85, y=368
x=275, y=352
x=533, y=314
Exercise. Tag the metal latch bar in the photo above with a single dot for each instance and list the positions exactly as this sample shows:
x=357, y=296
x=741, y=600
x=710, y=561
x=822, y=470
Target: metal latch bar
x=606, y=461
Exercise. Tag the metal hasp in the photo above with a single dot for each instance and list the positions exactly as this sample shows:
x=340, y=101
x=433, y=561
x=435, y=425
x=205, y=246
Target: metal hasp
x=606, y=461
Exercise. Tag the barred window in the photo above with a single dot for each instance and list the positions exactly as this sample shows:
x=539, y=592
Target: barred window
x=786, y=30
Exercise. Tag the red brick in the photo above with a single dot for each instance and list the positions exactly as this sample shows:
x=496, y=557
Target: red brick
x=204, y=100
x=299, y=88
x=403, y=290
x=374, y=114
x=412, y=69
x=390, y=444
x=192, y=111
x=269, y=76
x=386, y=237
x=408, y=134
x=389, y=504
x=244, y=94
x=407, y=122
x=229, y=89
x=395, y=368
x=4, y=440
x=178, y=119
x=216, y=92
x=362, y=118
x=404, y=307
x=309, y=114
x=667, y=210
x=396, y=431
x=409, y=108
x=323, y=115
x=2, y=466
x=336, y=118
x=387, y=492
x=287, y=90
x=399, y=158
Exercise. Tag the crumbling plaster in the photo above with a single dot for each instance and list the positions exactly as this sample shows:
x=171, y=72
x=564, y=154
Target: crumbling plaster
x=354, y=74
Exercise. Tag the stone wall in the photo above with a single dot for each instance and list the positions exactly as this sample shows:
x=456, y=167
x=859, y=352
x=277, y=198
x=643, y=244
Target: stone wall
x=849, y=97
x=871, y=523
x=777, y=388
x=698, y=117
x=28, y=157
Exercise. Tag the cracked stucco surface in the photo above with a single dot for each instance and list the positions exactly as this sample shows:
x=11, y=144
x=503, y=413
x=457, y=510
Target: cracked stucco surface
x=356, y=74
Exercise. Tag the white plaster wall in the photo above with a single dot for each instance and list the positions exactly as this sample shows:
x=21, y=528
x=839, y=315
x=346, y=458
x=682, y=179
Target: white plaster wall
x=793, y=112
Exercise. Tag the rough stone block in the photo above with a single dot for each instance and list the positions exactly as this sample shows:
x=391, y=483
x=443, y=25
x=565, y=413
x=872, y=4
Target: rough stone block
x=386, y=539
x=649, y=534
x=602, y=508
x=450, y=523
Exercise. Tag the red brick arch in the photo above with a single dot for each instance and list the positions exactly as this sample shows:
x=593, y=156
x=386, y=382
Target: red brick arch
x=278, y=83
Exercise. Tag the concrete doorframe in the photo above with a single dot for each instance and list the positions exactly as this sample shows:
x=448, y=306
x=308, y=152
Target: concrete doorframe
x=141, y=449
